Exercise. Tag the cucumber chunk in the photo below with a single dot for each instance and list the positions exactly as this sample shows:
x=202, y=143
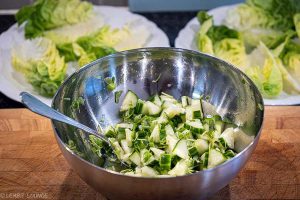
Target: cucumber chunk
x=215, y=158
x=228, y=137
x=181, y=149
x=129, y=101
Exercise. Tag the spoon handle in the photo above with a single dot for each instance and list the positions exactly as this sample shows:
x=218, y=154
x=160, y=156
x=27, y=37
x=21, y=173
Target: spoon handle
x=36, y=106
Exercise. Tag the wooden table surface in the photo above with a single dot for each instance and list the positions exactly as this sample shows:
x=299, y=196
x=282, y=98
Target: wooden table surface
x=32, y=167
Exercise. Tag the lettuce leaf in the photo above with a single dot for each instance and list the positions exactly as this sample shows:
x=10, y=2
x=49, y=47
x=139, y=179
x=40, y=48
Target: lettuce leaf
x=45, y=15
x=265, y=72
x=290, y=57
x=103, y=42
x=39, y=61
x=221, y=41
x=71, y=32
x=269, y=21
x=297, y=23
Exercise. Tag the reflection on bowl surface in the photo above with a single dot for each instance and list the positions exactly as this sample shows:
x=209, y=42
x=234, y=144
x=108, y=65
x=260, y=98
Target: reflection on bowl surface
x=182, y=72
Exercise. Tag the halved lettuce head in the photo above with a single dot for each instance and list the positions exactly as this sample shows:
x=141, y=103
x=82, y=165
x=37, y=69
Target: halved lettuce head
x=264, y=71
x=290, y=56
x=271, y=14
x=45, y=15
x=39, y=61
x=233, y=51
x=220, y=41
x=71, y=32
x=291, y=85
x=103, y=42
x=268, y=21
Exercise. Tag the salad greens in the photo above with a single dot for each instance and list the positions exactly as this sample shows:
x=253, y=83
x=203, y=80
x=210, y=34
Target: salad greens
x=164, y=137
x=221, y=41
x=259, y=37
x=41, y=64
x=103, y=42
x=67, y=33
x=266, y=21
x=44, y=15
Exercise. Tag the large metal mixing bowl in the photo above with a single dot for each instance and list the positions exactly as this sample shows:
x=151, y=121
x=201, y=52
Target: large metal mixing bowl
x=181, y=72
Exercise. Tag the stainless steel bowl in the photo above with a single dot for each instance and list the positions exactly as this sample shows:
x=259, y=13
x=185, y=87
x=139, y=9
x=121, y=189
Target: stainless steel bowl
x=182, y=72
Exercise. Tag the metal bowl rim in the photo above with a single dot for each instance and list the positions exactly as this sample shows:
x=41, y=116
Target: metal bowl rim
x=234, y=68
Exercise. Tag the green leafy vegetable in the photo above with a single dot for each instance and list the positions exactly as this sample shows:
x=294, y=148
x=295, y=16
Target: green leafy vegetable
x=103, y=42
x=258, y=37
x=290, y=66
x=265, y=72
x=39, y=61
x=265, y=21
x=45, y=15
x=221, y=41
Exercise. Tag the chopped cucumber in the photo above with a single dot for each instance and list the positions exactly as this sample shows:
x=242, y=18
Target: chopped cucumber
x=163, y=118
x=150, y=108
x=157, y=101
x=148, y=171
x=135, y=158
x=219, y=126
x=146, y=157
x=171, y=142
x=181, y=168
x=196, y=106
x=215, y=158
x=165, y=161
x=195, y=126
x=164, y=137
x=129, y=101
x=122, y=126
x=189, y=113
x=184, y=101
x=155, y=134
x=228, y=137
x=169, y=130
x=181, y=149
x=157, y=152
x=125, y=146
x=129, y=135
x=201, y=145
x=174, y=110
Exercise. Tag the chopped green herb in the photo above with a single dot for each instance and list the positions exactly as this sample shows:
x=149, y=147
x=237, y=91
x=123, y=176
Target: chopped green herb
x=111, y=84
x=117, y=96
x=157, y=79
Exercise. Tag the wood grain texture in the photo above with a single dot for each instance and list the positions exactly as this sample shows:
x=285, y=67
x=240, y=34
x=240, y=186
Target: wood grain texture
x=31, y=165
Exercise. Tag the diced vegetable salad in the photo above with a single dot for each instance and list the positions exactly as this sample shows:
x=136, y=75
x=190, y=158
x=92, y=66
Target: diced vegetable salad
x=166, y=137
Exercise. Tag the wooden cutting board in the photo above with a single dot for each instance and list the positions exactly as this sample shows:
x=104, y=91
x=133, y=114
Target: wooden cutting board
x=32, y=167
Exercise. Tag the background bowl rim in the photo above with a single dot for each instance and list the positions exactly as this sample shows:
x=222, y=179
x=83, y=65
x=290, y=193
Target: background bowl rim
x=172, y=49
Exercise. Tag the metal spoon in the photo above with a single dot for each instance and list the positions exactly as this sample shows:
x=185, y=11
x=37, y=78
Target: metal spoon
x=38, y=107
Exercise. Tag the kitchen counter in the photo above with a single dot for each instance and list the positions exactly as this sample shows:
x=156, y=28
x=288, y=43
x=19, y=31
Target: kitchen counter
x=31, y=164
